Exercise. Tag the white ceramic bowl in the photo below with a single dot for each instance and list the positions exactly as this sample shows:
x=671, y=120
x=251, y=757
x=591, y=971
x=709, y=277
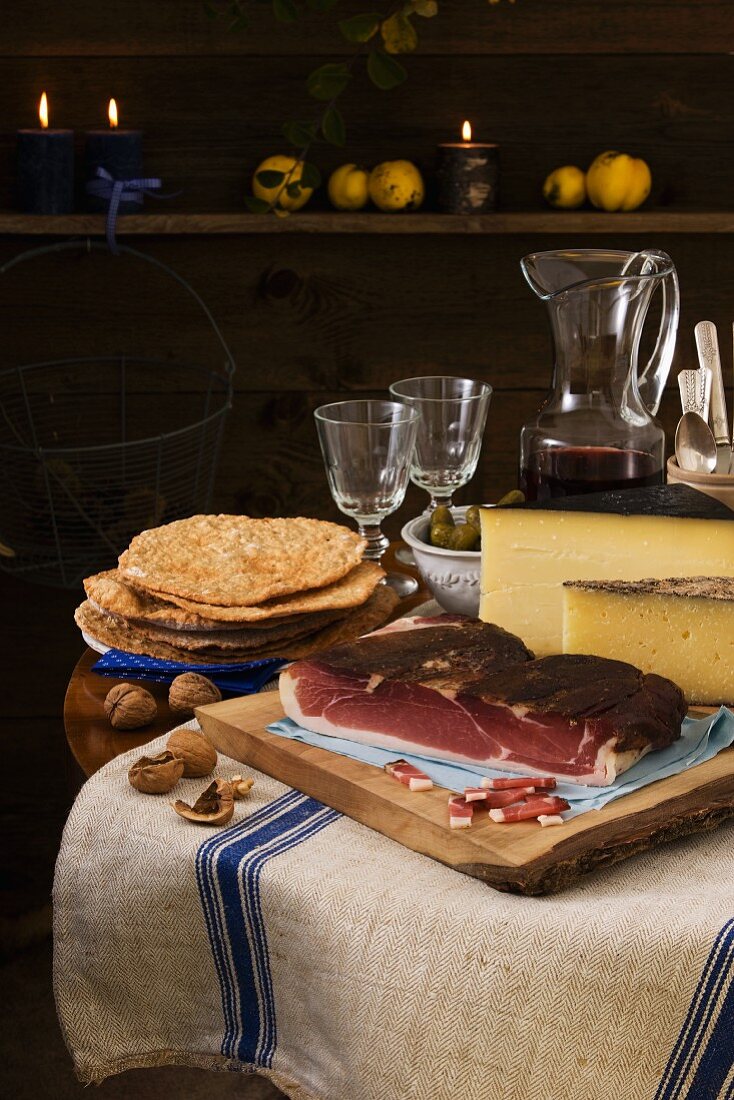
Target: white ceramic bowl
x=452, y=575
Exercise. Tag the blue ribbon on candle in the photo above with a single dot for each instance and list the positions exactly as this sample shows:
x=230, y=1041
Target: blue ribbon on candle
x=117, y=191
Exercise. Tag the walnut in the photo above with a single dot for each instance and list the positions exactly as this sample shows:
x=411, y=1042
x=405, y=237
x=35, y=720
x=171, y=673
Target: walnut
x=215, y=806
x=129, y=707
x=191, y=690
x=241, y=787
x=198, y=755
x=156, y=774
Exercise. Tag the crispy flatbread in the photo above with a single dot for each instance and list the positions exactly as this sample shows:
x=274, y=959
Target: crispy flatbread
x=351, y=591
x=238, y=561
x=117, y=633
x=109, y=593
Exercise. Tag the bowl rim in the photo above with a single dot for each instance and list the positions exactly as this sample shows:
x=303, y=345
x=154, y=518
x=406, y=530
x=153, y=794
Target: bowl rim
x=694, y=477
x=415, y=543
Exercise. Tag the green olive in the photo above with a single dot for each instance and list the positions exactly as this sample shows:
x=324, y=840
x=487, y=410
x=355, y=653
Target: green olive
x=442, y=515
x=515, y=496
x=441, y=535
x=473, y=517
x=464, y=537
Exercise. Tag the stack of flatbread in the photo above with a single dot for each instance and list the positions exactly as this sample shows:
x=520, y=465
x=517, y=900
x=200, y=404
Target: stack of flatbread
x=228, y=589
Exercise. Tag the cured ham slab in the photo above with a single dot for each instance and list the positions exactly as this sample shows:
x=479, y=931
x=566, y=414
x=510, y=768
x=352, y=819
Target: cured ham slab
x=462, y=690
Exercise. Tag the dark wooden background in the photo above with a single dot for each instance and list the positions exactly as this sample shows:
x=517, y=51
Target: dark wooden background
x=314, y=317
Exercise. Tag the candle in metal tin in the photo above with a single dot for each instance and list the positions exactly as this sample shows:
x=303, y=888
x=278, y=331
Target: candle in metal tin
x=468, y=175
x=119, y=152
x=45, y=168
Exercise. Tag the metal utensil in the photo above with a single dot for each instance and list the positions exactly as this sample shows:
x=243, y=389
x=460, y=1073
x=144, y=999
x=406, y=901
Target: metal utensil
x=695, y=446
x=707, y=342
x=695, y=391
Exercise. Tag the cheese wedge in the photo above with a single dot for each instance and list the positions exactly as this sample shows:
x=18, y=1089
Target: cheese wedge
x=529, y=550
x=681, y=628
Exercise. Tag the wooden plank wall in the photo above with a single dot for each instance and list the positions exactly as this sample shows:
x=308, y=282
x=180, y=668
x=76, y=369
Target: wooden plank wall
x=310, y=318
x=553, y=81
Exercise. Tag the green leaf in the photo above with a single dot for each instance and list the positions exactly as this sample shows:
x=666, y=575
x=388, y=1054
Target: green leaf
x=269, y=178
x=285, y=11
x=310, y=176
x=239, y=23
x=212, y=12
x=328, y=81
x=399, y=34
x=256, y=206
x=425, y=8
x=293, y=189
x=321, y=5
x=384, y=71
x=332, y=126
x=360, y=28
x=299, y=134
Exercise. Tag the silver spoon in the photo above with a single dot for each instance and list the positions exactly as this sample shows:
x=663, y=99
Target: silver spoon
x=695, y=446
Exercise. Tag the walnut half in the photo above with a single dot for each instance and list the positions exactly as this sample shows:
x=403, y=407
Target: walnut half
x=215, y=806
x=156, y=774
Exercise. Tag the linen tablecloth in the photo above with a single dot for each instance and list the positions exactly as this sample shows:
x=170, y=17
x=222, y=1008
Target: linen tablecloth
x=299, y=944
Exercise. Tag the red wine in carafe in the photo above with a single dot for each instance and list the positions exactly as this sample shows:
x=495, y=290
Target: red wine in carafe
x=567, y=471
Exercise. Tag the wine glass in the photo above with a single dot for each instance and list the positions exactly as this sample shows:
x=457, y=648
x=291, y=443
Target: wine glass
x=453, y=413
x=367, y=448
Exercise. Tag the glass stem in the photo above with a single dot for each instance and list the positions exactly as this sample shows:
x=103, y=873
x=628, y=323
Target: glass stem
x=439, y=500
x=377, y=543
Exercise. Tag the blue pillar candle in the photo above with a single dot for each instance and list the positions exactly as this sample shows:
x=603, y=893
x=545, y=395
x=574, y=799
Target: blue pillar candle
x=45, y=168
x=119, y=152
x=468, y=176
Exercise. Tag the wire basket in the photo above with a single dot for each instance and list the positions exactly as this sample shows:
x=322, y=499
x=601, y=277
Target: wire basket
x=89, y=457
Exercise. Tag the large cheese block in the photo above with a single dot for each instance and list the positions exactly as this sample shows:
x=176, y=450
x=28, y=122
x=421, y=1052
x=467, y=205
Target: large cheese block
x=681, y=628
x=529, y=550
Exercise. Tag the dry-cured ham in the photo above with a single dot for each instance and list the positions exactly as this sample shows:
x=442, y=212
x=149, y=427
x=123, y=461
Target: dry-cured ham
x=461, y=812
x=463, y=690
x=490, y=799
x=547, y=782
x=410, y=776
x=534, y=807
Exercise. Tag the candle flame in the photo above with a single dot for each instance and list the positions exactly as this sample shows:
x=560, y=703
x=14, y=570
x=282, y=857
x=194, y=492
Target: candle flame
x=43, y=111
x=466, y=132
x=112, y=114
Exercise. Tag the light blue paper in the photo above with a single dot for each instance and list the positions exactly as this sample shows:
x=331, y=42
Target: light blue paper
x=701, y=739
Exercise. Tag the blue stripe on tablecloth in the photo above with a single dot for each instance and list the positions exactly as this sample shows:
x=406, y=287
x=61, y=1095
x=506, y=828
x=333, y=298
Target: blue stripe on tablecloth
x=713, y=999
x=228, y=870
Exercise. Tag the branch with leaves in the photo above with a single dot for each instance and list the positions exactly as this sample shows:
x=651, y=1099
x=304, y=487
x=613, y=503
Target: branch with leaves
x=377, y=38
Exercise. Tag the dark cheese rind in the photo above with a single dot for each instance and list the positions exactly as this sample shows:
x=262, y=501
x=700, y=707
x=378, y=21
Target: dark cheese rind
x=657, y=500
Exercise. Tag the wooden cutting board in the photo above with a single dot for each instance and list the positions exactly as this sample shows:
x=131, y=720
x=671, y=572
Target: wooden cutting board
x=521, y=857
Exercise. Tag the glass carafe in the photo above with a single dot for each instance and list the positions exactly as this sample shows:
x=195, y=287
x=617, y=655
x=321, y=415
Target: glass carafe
x=596, y=429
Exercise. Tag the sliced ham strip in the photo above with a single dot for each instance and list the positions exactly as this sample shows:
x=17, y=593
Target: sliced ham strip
x=546, y=782
x=535, y=808
x=490, y=799
x=460, y=812
x=410, y=776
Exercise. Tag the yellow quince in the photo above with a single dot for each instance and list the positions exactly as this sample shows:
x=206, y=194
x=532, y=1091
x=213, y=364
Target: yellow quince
x=617, y=181
x=396, y=185
x=565, y=188
x=349, y=187
x=291, y=173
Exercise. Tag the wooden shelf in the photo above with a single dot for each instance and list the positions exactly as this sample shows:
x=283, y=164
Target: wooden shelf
x=531, y=222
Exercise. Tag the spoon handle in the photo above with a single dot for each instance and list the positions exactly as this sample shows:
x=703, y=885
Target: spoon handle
x=707, y=343
x=695, y=391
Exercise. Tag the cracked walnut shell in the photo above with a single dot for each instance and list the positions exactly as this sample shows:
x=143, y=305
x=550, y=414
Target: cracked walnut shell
x=191, y=690
x=156, y=774
x=198, y=755
x=214, y=806
x=128, y=707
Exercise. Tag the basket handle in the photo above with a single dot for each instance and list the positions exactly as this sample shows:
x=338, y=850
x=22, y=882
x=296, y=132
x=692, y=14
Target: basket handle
x=97, y=246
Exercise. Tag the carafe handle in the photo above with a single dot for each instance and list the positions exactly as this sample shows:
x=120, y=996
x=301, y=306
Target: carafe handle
x=651, y=380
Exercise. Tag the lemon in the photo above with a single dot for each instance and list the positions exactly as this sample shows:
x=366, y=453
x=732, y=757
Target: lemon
x=269, y=194
x=348, y=187
x=396, y=185
x=565, y=188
